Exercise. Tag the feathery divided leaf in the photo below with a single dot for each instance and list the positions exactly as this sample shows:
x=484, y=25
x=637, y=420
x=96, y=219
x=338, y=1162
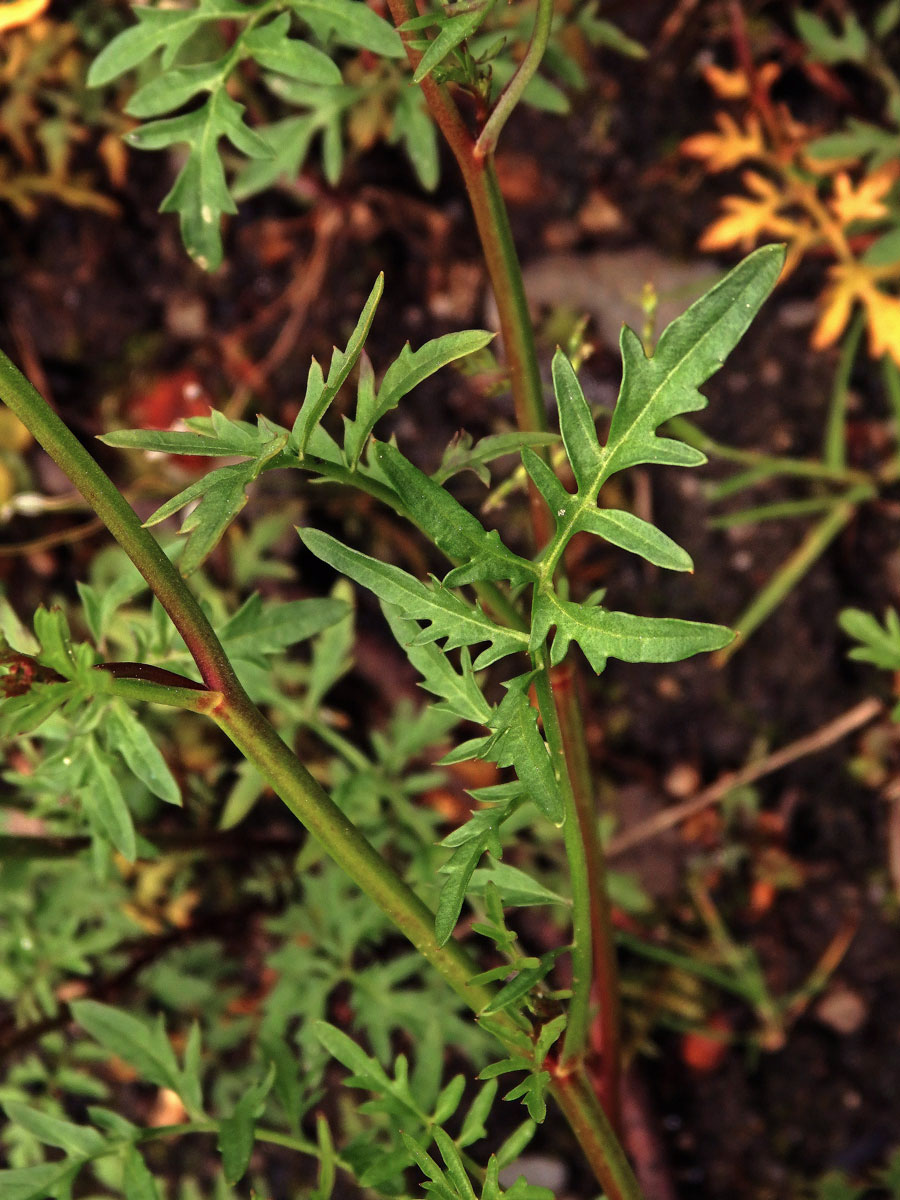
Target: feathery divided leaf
x=447, y=615
x=321, y=392
x=603, y=634
x=478, y=836
x=200, y=193
x=458, y=690
x=407, y=371
x=451, y=527
x=653, y=390
x=220, y=496
x=516, y=741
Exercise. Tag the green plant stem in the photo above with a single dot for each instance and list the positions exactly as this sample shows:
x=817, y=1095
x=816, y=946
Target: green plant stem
x=198, y=700
x=120, y=519
x=574, y=1096
x=476, y=164
x=261, y=745
x=579, y=1013
x=605, y=967
x=834, y=449
x=252, y=733
x=492, y=222
x=512, y=93
x=777, y=511
x=794, y=568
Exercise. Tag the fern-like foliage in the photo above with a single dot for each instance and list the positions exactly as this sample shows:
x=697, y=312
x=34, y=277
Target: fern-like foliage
x=306, y=59
x=422, y=615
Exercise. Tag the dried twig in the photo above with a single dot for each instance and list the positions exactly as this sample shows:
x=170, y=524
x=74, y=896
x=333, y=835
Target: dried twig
x=861, y=714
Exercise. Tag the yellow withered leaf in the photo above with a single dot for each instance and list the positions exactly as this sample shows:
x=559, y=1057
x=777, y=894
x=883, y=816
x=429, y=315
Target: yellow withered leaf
x=730, y=146
x=727, y=85
x=20, y=12
x=849, y=284
x=866, y=201
x=748, y=218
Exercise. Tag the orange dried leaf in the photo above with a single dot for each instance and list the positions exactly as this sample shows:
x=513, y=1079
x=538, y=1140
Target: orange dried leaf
x=883, y=312
x=728, y=85
x=20, y=12
x=748, y=218
x=865, y=202
x=851, y=283
x=730, y=146
x=838, y=299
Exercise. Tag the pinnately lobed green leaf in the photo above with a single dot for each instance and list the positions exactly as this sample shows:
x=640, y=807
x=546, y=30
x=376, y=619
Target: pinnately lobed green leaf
x=653, y=391
x=458, y=690
x=407, y=371
x=603, y=634
x=447, y=615
x=456, y=531
x=37, y=1183
x=146, y=1048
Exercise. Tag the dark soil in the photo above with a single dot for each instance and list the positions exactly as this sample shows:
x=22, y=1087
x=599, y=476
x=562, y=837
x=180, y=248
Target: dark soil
x=102, y=306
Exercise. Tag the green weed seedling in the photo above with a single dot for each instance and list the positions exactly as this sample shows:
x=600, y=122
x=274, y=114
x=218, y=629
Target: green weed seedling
x=88, y=706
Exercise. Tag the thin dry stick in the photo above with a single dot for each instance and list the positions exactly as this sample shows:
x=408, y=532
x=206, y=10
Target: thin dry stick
x=861, y=714
x=49, y=540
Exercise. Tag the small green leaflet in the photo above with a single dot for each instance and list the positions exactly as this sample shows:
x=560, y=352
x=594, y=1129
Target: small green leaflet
x=321, y=392
x=159, y=28
x=290, y=139
x=877, y=644
x=137, y=1182
x=407, y=371
x=603, y=634
x=221, y=495
x=200, y=193
x=351, y=23
x=457, y=532
x=479, y=835
x=78, y=1140
x=653, y=390
x=125, y=734
x=414, y=127
x=256, y=631
x=446, y=614
x=458, y=690
x=237, y=1131
x=215, y=436
x=515, y=741
x=274, y=50
x=517, y=888
x=146, y=1048
x=52, y=631
x=37, y=1183
x=102, y=799
x=452, y=31
x=464, y=455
